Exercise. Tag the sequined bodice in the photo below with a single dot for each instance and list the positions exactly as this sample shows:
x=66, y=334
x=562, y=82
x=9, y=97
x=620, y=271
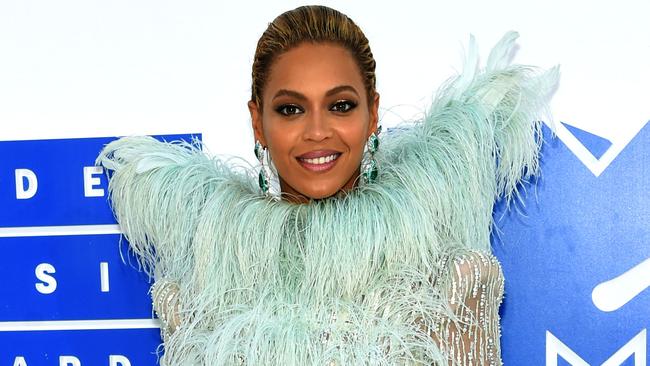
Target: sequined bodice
x=470, y=335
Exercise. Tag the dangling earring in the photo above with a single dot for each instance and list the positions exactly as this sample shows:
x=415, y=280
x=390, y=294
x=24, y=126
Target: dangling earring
x=263, y=178
x=371, y=171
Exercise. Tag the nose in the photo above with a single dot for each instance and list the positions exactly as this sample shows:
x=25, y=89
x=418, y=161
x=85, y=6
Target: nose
x=317, y=127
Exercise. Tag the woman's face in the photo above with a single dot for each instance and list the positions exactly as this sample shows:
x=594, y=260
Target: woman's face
x=315, y=120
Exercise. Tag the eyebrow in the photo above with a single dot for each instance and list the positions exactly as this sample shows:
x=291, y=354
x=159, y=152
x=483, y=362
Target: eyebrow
x=297, y=95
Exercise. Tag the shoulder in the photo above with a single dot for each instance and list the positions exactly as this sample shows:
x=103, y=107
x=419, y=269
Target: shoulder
x=468, y=273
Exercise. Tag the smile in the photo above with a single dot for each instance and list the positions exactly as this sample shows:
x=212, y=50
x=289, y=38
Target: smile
x=318, y=163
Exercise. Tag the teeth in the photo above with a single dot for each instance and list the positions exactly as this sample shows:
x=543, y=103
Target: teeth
x=321, y=160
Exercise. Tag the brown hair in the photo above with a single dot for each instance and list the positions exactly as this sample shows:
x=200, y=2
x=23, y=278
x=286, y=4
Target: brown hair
x=313, y=23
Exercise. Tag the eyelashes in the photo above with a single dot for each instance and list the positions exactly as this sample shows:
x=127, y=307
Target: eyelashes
x=289, y=109
x=340, y=106
x=343, y=106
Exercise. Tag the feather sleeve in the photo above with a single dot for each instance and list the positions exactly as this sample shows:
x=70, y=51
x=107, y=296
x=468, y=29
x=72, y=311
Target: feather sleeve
x=479, y=139
x=158, y=191
x=506, y=104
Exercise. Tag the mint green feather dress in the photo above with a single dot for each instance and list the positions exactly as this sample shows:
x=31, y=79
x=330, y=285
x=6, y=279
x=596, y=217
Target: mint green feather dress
x=395, y=272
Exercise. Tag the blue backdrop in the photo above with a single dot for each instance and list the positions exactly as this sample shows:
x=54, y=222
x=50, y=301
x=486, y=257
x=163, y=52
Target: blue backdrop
x=572, y=232
x=70, y=294
x=68, y=298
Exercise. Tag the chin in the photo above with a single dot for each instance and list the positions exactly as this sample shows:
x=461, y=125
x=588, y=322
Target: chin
x=321, y=192
x=314, y=188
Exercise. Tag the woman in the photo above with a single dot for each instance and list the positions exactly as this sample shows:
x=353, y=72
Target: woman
x=375, y=251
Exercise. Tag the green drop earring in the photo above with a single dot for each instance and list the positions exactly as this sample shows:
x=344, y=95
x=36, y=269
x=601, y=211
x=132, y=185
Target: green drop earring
x=371, y=171
x=263, y=178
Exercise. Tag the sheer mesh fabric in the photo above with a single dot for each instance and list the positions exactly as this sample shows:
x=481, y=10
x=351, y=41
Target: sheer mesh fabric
x=474, y=283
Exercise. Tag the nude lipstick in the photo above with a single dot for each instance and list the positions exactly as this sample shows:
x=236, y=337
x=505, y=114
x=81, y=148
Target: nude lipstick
x=319, y=160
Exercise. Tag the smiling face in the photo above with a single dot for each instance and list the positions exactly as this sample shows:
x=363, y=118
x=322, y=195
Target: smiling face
x=315, y=120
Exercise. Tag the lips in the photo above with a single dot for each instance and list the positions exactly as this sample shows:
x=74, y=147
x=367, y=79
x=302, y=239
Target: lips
x=319, y=160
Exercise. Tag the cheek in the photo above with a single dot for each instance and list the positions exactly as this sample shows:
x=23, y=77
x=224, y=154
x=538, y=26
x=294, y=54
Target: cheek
x=280, y=140
x=355, y=136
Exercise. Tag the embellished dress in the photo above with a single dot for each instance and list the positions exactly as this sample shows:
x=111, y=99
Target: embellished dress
x=393, y=272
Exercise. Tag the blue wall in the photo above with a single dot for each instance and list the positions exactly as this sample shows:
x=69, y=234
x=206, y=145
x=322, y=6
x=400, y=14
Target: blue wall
x=66, y=291
x=67, y=297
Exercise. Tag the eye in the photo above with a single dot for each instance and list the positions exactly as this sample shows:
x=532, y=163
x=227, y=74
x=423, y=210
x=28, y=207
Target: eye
x=343, y=106
x=288, y=109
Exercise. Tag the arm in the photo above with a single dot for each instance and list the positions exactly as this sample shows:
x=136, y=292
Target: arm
x=163, y=196
x=165, y=296
x=474, y=286
x=479, y=139
x=157, y=192
x=499, y=108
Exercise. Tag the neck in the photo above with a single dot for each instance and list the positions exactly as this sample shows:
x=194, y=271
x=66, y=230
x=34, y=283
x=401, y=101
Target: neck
x=292, y=195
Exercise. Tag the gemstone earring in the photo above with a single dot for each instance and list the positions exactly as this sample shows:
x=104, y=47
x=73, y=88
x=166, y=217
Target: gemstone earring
x=263, y=178
x=371, y=170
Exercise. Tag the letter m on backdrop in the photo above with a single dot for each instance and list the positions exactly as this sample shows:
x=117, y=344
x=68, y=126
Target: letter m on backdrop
x=636, y=346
